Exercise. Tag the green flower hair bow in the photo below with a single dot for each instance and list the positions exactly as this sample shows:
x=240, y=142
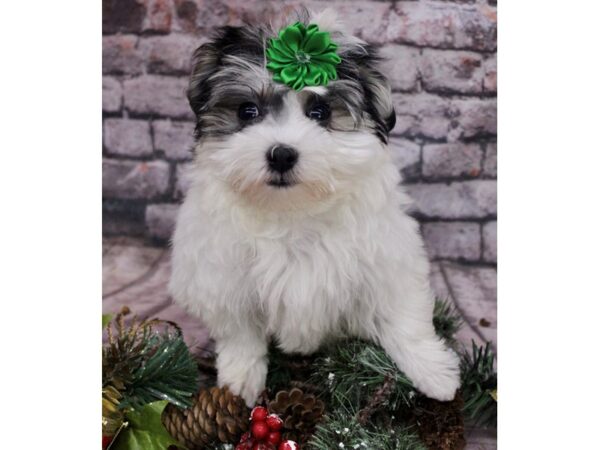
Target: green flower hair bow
x=303, y=56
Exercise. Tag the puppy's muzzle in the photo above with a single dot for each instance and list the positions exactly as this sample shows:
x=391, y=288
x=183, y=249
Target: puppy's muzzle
x=282, y=159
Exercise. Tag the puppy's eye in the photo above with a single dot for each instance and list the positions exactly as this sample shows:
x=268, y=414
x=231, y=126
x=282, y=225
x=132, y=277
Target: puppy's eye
x=319, y=111
x=248, y=111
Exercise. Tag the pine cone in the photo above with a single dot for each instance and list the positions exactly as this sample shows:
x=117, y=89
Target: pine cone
x=300, y=413
x=216, y=416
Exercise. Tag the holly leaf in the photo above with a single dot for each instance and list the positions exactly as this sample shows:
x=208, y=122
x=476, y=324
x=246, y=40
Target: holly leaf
x=145, y=430
x=105, y=319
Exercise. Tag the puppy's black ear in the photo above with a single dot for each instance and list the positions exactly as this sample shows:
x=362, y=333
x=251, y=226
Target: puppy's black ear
x=205, y=62
x=378, y=98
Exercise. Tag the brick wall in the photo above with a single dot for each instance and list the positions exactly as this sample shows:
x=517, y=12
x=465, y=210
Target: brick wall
x=442, y=69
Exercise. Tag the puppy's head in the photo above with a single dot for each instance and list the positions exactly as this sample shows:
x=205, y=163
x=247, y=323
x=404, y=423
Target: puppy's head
x=279, y=148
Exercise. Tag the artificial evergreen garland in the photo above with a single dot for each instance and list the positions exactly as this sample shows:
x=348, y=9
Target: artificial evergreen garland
x=479, y=386
x=350, y=394
x=145, y=363
x=145, y=366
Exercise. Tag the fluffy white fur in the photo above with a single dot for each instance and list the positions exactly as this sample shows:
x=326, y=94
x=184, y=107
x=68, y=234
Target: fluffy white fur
x=335, y=254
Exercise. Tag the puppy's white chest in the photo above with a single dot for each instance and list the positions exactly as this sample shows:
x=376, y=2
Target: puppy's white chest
x=306, y=283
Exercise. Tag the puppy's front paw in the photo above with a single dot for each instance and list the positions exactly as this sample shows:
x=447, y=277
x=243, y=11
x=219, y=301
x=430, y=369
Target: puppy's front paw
x=247, y=382
x=438, y=376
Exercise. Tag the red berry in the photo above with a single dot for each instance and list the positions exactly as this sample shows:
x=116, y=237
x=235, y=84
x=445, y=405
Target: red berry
x=106, y=440
x=260, y=430
x=245, y=437
x=262, y=446
x=274, y=437
x=244, y=446
x=259, y=413
x=274, y=422
x=289, y=445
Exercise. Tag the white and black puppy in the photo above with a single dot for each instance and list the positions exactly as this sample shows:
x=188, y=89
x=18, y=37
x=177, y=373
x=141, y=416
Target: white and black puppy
x=294, y=227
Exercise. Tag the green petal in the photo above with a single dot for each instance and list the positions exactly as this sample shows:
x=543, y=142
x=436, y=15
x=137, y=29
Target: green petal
x=276, y=66
x=288, y=66
x=292, y=36
x=312, y=28
x=314, y=76
x=279, y=57
x=330, y=58
x=332, y=75
x=317, y=43
x=309, y=32
x=327, y=69
x=300, y=27
x=278, y=46
x=298, y=84
x=330, y=70
x=332, y=47
x=320, y=75
x=291, y=73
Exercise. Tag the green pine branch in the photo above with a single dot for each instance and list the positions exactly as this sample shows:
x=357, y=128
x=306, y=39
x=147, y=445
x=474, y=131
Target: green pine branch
x=446, y=320
x=479, y=386
x=352, y=370
x=341, y=429
x=146, y=365
x=169, y=373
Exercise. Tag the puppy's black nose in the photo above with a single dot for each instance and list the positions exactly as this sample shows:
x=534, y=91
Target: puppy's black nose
x=282, y=158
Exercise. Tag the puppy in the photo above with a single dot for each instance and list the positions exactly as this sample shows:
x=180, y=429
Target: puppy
x=294, y=227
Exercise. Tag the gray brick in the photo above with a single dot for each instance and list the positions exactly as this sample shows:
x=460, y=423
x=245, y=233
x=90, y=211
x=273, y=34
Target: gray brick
x=183, y=179
x=458, y=200
x=112, y=94
x=407, y=155
x=400, y=66
x=490, y=74
x=438, y=283
x=490, y=165
x=423, y=115
x=490, y=242
x=160, y=95
x=200, y=15
x=453, y=240
x=120, y=55
x=365, y=19
x=127, y=137
x=169, y=54
x=476, y=117
x=159, y=16
x=160, y=220
x=186, y=12
x=134, y=179
x=174, y=139
x=430, y=116
x=114, y=225
x=451, y=71
x=451, y=160
x=123, y=16
x=442, y=25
